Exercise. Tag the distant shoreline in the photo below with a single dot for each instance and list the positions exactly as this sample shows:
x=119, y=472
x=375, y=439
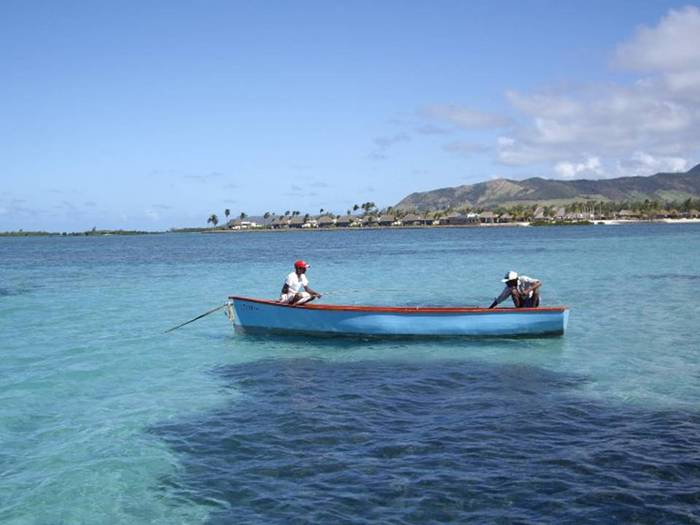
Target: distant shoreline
x=117, y=233
x=601, y=222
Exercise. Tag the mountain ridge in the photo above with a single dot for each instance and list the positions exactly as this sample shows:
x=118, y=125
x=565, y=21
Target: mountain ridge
x=507, y=192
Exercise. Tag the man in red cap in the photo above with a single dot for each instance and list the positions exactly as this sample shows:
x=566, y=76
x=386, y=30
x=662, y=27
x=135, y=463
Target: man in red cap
x=296, y=287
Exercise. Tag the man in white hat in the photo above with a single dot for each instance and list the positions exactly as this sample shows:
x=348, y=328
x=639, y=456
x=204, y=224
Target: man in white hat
x=524, y=291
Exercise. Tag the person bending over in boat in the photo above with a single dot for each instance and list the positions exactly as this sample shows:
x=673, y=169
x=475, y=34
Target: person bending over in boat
x=296, y=288
x=524, y=290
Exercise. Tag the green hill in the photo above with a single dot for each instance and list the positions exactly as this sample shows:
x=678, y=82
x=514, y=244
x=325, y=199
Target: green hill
x=506, y=192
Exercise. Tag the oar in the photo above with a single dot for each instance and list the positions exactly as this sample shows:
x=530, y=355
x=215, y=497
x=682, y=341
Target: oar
x=198, y=317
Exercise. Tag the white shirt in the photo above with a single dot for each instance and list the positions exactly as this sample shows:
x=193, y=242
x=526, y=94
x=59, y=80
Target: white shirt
x=295, y=283
x=524, y=287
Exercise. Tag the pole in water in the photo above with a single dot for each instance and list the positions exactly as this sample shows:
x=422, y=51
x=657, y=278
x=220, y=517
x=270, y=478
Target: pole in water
x=196, y=318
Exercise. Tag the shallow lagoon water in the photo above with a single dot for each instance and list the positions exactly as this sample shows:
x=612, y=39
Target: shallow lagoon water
x=105, y=419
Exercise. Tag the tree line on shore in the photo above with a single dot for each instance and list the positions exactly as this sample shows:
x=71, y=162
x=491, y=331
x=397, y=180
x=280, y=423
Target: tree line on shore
x=643, y=209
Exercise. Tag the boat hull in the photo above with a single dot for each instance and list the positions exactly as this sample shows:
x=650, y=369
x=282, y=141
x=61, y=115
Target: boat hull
x=256, y=315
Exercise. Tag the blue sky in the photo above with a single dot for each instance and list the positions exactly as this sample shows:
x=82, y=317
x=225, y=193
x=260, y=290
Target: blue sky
x=156, y=114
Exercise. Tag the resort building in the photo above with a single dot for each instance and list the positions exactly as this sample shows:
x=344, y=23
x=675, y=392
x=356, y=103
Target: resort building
x=386, y=220
x=347, y=221
x=454, y=218
x=487, y=217
x=326, y=221
x=413, y=219
x=296, y=222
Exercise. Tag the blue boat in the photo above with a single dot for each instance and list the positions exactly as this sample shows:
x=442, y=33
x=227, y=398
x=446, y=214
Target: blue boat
x=260, y=315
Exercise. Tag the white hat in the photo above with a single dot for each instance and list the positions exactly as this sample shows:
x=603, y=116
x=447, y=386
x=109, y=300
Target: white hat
x=510, y=276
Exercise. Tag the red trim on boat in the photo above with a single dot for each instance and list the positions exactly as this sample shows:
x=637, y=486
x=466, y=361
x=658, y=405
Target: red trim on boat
x=402, y=309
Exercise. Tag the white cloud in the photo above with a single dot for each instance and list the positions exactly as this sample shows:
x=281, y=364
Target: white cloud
x=386, y=142
x=642, y=163
x=670, y=46
x=652, y=124
x=670, y=52
x=206, y=178
x=569, y=170
x=466, y=149
x=546, y=105
x=382, y=145
x=464, y=117
x=429, y=129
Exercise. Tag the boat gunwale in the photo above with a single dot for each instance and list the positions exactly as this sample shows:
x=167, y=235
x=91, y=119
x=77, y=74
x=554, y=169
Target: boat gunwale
x=404, y=309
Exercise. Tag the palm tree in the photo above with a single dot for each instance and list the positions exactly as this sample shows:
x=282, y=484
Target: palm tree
x=355, y=208
x=320, y=212
x=213, y=219
x=243, y=215
x=227, y=212
x=286, y=213
x=267, y=215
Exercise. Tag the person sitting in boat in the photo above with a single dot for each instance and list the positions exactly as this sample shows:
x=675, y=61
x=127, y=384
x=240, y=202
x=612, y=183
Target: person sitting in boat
x=524, y=290
x=296, y=288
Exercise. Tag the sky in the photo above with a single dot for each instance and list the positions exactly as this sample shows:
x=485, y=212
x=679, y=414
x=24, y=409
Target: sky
x=154, y=115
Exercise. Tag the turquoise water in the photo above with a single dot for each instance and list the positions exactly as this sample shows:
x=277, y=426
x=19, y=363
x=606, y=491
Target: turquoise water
x=105, y=419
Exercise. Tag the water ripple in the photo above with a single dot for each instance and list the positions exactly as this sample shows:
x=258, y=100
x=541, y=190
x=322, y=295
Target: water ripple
x=317, y=442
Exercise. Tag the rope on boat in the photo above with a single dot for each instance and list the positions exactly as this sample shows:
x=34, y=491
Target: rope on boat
x=227, y=303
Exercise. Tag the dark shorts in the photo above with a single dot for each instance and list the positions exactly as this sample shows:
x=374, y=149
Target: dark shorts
x=530, y=302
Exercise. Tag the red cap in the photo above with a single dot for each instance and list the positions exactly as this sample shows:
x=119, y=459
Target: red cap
x=301, y=264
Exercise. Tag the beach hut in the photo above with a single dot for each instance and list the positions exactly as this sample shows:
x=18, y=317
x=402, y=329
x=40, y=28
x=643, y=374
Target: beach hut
x=326, y=221
x=413, y=219
x=345, y=221
x=241, y=224
x=627, y=214
x=487, y=217
x=296, y=222
x=454, y=218
x=505, y=217
x=279, y=222
x=386, y=220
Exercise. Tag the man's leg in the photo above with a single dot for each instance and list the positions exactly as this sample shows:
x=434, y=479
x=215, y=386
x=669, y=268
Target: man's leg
x=531, y=302
x=303, y=297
